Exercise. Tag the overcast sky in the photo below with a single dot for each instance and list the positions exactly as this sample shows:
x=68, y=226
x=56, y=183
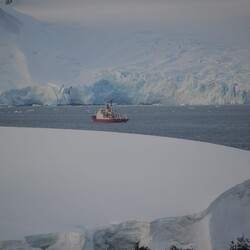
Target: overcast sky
x=215, y=17
x=136, y=10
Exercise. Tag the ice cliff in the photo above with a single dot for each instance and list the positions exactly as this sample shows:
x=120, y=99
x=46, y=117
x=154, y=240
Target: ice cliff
x=227, y=218
x=63, y=241
x=86, y=65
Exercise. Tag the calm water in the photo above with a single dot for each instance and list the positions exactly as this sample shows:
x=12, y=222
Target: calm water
x=225, y=125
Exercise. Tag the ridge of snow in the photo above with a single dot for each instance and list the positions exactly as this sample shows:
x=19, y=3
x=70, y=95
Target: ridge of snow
x=231, y=207
x=9, y=22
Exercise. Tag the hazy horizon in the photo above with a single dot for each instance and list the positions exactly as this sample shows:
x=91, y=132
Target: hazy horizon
x=225, y=20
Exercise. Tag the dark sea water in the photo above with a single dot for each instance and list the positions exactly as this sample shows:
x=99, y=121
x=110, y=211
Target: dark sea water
x=225, y=125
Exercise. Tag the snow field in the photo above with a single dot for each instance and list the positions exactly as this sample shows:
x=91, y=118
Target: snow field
x=58, y=180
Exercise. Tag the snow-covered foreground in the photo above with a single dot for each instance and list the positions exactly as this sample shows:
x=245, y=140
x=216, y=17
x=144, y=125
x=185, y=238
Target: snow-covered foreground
x=61, y=180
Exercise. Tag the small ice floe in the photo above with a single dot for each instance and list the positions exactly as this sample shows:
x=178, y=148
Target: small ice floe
x=17, y=112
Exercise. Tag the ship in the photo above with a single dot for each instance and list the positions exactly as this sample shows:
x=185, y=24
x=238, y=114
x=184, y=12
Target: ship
x=108, y=114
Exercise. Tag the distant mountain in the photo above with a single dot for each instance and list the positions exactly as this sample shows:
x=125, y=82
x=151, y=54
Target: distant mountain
x=226, y=219
x=93, y=66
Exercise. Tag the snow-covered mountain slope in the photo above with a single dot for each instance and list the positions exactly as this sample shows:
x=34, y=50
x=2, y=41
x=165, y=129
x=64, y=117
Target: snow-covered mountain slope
x=226, y=219
x=128, y=67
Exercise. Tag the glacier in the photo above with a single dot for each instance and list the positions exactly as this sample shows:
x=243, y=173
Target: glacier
x=227, y=218
x=67, y=64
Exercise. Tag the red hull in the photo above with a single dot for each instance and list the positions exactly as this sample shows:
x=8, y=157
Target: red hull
x=109, y=120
